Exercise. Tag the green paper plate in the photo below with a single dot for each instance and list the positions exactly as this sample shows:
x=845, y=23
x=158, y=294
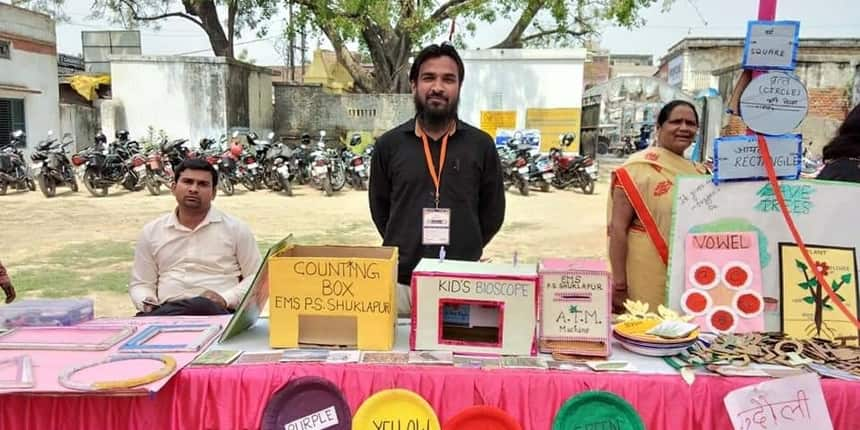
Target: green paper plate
x=598, y=410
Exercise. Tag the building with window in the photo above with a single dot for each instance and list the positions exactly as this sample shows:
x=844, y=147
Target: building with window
x=29, y=94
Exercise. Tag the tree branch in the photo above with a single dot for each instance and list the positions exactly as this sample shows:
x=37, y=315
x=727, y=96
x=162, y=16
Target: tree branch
x=559, y=30
x=442, y=13
x=137, y=17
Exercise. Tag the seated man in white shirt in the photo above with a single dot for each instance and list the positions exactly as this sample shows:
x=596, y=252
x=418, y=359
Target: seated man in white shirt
x=195, y=260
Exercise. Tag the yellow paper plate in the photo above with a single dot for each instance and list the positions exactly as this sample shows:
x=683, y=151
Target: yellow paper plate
x=636, y=330
x=400, y=409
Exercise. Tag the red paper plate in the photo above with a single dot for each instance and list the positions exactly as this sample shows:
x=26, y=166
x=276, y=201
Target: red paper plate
x=482, y=418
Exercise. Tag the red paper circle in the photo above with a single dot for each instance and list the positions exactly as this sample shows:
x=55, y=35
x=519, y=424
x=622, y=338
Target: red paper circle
x=736, y=276
x=722, y=320
x=696, y=302
x=749, y=303
x=705, y=275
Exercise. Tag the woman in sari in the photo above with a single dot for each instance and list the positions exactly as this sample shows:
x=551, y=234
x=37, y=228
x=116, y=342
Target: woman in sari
x=640, y=208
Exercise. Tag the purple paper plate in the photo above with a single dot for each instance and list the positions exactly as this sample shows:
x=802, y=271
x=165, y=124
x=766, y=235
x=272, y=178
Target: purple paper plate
x=307, y=402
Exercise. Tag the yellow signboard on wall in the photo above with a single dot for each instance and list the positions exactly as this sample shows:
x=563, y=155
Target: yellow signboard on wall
x=554, y=122
x=492, y=120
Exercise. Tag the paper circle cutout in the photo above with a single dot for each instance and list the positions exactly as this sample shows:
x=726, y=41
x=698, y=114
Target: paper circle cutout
x=748, y=303
x=737, y=275
x=774, y=103
x=696, y=302
x=597, y=409
x=704, y=275
x=311, y=397
x=722, y=319
x=398, y=406
x=482, y=418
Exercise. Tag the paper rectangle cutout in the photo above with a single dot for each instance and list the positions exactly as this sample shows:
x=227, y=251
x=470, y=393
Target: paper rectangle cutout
x=771, y=45
x=575, y=307
x=737, y=158
x=72, y=338
x=791, y=403
x=724, y=282
x=23, y=372
x=199, y=336
x=808, y=311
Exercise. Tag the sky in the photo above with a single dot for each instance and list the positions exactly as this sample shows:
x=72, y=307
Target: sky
x=819, y=18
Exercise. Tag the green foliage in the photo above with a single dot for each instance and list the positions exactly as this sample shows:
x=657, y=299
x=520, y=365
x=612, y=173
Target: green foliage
x=809, y=299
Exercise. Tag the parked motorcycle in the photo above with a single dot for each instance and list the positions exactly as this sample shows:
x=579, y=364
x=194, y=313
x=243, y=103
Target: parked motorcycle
x=541, y=172
x=13, y=170
x=276, y=171
x=226, y=163
x=626, y=148
x=250, y=172
x=811, y=167
x=355, y=167
x=51, y=167
x=515, y=163
x=105, y=165
x=161, y=161
x=328, y=172
x=573, y=171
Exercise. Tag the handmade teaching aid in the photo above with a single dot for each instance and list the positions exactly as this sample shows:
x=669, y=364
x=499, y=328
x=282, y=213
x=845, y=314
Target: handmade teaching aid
x=807, y=311
x=333, y=296
x=575, y=312
x=792, y=403
x=723, y=278
x=738, y=158
x=469, y=307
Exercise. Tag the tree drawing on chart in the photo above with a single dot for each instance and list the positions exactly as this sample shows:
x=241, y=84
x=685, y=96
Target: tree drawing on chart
x=818, y=297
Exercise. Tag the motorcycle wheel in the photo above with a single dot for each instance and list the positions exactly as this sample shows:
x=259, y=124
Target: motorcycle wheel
x=153, y=186
x=286, y=185
x=226, y=185
x=48, y=186
x=90, y=183
x=73, y=183
x=524, y=188
x=338, y=179
x=249, y=184
x=326, y=185
x=31, y=184
x=588, y=185
x=3, y=187
x=544, y=186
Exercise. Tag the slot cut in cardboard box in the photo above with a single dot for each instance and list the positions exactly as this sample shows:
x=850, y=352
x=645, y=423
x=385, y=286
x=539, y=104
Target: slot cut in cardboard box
x=469, y=307
x=575, y=307
x=333, y=296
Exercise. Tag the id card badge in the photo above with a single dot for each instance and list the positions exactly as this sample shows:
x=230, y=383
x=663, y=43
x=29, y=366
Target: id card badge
x=436, y=226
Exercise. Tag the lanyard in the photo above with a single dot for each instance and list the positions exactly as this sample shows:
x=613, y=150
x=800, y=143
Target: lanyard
x=437, y=177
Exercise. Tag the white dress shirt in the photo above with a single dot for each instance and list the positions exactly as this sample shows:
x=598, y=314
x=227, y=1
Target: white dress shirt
x=173, y=262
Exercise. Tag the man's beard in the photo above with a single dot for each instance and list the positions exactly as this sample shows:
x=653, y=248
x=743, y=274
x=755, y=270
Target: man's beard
x=435, y=118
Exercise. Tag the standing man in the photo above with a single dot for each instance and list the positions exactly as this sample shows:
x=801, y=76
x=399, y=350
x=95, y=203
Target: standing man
x=437, y=181
x=6, y=284
x=195, y=260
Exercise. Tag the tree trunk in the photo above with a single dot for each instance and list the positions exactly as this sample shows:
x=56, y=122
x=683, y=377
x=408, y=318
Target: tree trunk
x=208, y=14
x=514, y=37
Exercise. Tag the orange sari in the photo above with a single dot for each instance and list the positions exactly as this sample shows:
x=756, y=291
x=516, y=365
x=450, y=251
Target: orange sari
x=648, y=179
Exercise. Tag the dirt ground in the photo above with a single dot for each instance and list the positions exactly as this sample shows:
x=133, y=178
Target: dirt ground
x=94, y=237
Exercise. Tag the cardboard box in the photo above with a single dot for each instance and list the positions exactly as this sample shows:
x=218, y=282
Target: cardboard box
x=575, y=307
x=333, y=296
x=478, y=308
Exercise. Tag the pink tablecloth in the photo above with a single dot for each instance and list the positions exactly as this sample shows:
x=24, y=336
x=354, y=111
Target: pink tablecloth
x=234, y=397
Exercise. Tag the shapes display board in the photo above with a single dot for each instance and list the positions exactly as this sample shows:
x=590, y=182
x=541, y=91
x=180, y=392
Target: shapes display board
x=333, y=296
x=575, y=311
x=771, y=45
x=738, y=157
x=505, y=295
x=807, y=310
x=723, y=278
x=819, y=210
x=774, y=103
x=255, y=298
